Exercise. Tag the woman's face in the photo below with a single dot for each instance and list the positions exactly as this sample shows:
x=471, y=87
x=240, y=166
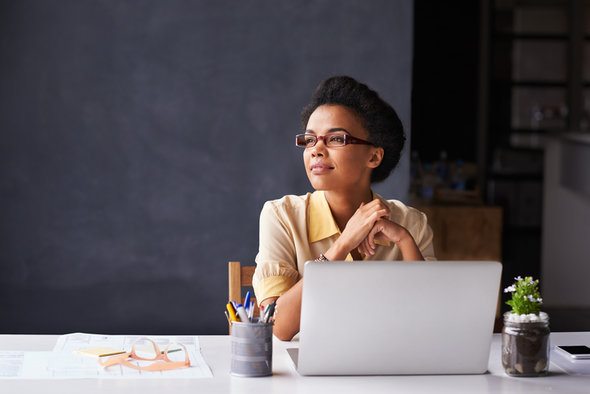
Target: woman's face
x=344, y=167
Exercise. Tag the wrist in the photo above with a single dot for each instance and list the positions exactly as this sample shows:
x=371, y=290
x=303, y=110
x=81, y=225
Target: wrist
x=409, y=248
x=404, y=238
x=322, y=258
x=336, y=252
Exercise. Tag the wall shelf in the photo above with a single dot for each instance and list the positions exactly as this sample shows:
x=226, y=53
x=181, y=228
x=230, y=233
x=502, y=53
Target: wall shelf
x=530, y=36
x=540, y=130
x=534, y=67
x=538, y=84
x=516, y=177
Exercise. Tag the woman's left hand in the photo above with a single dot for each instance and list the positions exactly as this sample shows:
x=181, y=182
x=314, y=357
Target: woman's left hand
x=384, y=230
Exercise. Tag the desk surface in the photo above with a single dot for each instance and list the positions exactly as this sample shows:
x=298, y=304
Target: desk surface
x=216, y=350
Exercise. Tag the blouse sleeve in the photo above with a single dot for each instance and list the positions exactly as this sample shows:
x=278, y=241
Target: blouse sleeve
x=424, y=240
x=276, y=266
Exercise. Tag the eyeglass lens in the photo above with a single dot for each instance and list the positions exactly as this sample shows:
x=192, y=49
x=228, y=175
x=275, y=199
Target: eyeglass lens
x=146, y=349
x=310, y=140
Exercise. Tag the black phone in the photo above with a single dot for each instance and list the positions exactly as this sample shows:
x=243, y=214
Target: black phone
x=578, y=352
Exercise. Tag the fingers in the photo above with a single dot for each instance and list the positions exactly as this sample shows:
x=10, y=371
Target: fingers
x=361, y=223
x=380, y=214
x=364, y=248
x=375, y=203
x=368, y=250
x=378, y=203
x=369, y=243
x=361, y=249
x=366, y=245
x=371, y=237
x=375, y=206
x=373, y=210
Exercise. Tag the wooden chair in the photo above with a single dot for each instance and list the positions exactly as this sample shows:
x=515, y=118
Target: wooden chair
x=240, y=276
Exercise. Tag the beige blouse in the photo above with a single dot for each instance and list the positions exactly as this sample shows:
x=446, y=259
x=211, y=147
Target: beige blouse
x=296, y=229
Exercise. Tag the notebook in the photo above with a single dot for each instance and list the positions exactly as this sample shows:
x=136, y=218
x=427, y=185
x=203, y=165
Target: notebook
x=389, y=318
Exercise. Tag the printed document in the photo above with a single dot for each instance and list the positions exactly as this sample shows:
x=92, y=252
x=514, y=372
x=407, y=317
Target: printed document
x=65, y=361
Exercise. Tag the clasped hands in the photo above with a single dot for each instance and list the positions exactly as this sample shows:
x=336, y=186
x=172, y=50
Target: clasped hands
x=370, y=224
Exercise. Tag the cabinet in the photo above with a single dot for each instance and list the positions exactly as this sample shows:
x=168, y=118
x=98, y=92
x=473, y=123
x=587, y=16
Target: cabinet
x=466, y=233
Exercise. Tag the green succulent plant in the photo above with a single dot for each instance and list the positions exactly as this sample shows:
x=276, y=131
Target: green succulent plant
x=525, y=296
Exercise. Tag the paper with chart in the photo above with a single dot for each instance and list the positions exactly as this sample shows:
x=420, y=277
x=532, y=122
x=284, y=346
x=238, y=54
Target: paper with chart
x=65, y=361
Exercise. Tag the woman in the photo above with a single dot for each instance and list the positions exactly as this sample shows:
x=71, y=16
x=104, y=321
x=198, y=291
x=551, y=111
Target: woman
x=352, y=138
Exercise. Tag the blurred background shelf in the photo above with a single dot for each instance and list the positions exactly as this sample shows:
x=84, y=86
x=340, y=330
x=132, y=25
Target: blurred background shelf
x=533, y=83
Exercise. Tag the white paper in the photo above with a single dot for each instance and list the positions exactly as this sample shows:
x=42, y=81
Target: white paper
x=64, y=363
x=11, y=364
x=24, y=365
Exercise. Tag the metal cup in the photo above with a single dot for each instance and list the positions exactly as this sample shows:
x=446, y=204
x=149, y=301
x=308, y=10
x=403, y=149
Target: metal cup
x=251, y=349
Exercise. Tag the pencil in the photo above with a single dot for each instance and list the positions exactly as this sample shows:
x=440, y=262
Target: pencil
x=232, y=312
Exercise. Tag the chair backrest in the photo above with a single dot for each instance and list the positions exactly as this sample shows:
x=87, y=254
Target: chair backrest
x=239, y=277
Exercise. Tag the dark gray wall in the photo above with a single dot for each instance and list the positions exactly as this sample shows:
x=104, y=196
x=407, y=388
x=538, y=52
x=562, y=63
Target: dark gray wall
x=139, y=140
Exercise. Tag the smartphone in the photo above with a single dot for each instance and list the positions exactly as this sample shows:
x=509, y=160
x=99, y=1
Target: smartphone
x=578, y=352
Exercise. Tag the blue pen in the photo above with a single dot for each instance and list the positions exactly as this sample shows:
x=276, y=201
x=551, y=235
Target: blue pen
x=247, y=301
x=251, y=311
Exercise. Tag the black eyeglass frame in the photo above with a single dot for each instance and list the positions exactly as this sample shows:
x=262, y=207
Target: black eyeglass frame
x=348, y=139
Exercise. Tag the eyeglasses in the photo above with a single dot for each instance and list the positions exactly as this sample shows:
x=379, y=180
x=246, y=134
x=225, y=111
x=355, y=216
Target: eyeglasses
x=145, y=349
x=331, y=140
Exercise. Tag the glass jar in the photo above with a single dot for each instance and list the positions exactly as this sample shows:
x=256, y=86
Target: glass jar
x=525, y=347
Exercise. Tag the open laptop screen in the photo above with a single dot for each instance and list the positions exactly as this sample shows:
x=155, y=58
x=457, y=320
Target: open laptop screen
x=397, y=317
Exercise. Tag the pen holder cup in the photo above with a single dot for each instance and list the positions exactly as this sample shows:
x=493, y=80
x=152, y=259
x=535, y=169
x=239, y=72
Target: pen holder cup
x=251, y=349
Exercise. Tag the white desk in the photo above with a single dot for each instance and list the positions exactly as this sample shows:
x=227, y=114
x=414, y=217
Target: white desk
x=216, y=350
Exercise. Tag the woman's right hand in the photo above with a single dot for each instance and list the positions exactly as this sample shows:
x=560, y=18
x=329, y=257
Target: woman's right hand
x=358, y=227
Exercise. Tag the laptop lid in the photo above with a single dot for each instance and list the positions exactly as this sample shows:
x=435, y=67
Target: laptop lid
x=382, y=318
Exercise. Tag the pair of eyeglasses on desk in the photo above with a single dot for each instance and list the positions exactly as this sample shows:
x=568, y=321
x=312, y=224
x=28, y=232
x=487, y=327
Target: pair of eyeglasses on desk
x=145, y=350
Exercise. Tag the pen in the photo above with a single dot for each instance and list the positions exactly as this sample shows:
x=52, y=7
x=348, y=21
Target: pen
x=270, y=310
x=251, y=311
x=242, y=313
x=227, y=316
x=247, y=301
x=264, y=318
x=232, y=312
x=261, y=310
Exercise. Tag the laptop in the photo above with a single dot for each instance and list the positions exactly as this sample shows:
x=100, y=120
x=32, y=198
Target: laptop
x=397, y=318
